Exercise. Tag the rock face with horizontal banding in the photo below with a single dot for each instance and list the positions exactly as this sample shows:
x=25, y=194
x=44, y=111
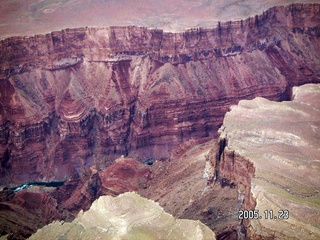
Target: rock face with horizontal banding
x=82, y=97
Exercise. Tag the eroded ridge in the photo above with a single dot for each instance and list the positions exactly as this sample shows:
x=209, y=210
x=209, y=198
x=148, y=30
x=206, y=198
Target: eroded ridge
x=127, y=216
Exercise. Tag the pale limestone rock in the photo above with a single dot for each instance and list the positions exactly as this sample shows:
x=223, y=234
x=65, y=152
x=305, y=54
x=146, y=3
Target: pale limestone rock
x=282, y=140
x=127, y=216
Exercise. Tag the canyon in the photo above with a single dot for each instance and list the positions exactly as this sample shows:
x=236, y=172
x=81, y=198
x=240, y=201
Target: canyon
x=74, y=101
x=82, y=97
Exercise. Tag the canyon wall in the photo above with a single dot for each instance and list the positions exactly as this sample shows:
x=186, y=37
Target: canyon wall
x=82, y=97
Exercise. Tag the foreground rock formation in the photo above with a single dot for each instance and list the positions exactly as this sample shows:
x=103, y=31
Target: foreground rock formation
x=270, y=152
x=127, y=216
x=79, y=98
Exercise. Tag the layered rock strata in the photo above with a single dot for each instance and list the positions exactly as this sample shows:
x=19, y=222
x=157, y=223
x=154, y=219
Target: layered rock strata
x=127, y=216
x=82, y=97
x=270, y=152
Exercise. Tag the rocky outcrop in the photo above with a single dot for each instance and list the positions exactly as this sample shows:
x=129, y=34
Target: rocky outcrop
x=82, y=97
x=183, y=187
x=23, y=212
x=127, y=216
x=125, y=174
x=270, y=152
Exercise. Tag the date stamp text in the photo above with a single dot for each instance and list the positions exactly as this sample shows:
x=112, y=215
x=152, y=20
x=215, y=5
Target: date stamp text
x=266, y=214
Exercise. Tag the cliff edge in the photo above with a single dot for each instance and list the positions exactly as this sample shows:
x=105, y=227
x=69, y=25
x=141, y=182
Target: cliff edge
x=270, y=151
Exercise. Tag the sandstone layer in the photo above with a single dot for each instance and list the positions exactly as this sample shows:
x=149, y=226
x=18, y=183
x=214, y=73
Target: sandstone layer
x=76, y=98
x=127, y=216
x=270, y=151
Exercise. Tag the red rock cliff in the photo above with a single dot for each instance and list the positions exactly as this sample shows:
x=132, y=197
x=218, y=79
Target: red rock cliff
x=79, y=97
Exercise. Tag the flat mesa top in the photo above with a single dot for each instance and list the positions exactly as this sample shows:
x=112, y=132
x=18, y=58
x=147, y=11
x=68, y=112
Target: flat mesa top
x=39, y=17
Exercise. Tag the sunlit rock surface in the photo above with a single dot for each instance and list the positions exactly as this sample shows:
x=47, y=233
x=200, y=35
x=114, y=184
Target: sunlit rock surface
x=275, y=148
x=127, y=216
